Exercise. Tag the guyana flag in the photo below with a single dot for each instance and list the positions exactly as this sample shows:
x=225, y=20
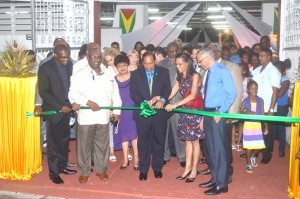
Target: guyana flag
x=127, y=20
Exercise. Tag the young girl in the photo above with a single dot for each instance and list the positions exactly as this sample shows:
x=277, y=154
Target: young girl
x=253, y=140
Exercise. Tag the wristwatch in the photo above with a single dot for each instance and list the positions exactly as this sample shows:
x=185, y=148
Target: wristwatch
x=271, y=110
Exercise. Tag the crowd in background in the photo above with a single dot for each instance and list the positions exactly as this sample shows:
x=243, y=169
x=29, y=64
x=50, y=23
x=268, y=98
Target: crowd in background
x=223, y=77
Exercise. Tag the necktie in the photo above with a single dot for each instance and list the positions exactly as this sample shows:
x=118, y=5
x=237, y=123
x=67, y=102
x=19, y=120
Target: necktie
x=205, y=85
x=150, y=82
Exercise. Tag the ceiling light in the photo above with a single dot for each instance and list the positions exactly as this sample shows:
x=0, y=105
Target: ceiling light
x=217, y=9
x=215, y=17
x=153, y=10
x=220, y=26
x=20, y=12
x=154, y=17
x=186, y=28
x=219, y=22
x=107, y=18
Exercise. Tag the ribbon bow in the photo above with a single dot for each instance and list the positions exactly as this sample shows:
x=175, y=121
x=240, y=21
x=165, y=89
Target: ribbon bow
x=147, y=111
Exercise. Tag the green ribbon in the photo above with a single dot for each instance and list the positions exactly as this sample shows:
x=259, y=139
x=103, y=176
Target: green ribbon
x=148, y=111
x=240, y=116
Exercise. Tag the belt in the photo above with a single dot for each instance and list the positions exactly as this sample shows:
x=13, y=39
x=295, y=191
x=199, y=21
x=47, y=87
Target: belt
x=211, y=109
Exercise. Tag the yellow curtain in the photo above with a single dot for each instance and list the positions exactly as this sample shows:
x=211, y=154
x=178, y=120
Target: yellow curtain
x=20, y=149
x=294, y=188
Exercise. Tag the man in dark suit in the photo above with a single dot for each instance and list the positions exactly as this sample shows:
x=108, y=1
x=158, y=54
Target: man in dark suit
x=53, y=85
x=151, y=83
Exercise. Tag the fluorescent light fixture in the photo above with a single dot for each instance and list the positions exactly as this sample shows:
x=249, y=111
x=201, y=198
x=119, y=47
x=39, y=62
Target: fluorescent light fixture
x=217, y=9
x=21, y=12
x=186, y=28
x=172, y=23
x=154, y=17
x=215, y=17
x=221, y=28
x=219, y=22
x=107, y=18
x=153, y=10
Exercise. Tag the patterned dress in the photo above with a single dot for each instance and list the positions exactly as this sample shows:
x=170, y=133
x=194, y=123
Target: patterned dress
x=188, y=124
x=252, y=133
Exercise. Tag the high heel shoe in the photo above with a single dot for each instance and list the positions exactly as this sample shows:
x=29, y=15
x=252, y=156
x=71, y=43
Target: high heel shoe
x=124, y=167
x=182, y=178
x=188, y=180
x=136, y=168
x=202, y=160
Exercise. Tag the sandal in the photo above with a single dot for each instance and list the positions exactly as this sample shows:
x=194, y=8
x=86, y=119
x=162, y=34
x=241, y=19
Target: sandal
x=202, y=161
x=112, y=158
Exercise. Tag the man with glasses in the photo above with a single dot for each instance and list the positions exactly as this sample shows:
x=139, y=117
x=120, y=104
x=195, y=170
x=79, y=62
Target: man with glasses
x=219, y=94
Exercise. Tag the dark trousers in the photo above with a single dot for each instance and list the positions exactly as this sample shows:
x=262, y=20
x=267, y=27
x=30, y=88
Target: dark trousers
x=228, y=130
x=279, y=127
x=269, y=141
x=204, y=149
x=151, y=144
x=216, y=141
x=58, y=134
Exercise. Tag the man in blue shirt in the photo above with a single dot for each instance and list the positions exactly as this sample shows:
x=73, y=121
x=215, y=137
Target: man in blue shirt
x=219, y=94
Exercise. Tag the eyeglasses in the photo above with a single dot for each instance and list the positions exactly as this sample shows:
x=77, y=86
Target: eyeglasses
x=199, y=62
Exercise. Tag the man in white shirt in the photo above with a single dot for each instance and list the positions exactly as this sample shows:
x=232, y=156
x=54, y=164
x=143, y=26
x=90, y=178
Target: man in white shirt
x=268, y=79
x=94, y=87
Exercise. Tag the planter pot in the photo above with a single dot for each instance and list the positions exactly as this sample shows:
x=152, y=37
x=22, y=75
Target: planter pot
x=19, y=136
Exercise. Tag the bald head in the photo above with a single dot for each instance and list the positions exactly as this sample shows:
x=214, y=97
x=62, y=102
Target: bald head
x=92, y=47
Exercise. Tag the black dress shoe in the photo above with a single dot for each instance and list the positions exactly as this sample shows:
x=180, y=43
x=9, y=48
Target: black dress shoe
x=207, y=184
x=182, y=164
x=158, y=174
x=204, y=172
x=57, y=180
x=143, y=176
x=173, y=154
x=216, y=190
x=68, y=172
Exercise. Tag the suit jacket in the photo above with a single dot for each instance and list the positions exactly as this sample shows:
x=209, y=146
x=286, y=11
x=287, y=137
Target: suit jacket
x=51, y=88
x=139, y=90
x=235, y=72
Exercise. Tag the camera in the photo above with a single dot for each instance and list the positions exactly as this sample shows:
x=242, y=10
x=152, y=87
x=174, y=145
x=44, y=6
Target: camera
x=113, y=121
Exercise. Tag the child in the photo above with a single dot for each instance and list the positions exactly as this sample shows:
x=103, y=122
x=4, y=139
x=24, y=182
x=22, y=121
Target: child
x=253, y=140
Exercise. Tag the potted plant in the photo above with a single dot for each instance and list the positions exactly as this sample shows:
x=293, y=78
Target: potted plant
x=19, y=137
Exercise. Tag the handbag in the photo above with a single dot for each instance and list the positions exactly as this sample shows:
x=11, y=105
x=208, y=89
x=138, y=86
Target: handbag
x=196, y=103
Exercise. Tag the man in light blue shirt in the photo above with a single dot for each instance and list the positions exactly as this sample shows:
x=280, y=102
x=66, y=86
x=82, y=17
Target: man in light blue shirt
x=219, y=94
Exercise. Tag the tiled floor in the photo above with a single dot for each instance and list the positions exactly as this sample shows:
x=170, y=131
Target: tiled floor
x=266, y=182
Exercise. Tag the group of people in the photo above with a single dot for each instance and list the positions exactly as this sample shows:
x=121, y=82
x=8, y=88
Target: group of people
x=170, y=78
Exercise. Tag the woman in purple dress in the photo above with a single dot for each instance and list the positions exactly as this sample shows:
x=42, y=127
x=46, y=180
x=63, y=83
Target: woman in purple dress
x=188, y=125
x=126, y=131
